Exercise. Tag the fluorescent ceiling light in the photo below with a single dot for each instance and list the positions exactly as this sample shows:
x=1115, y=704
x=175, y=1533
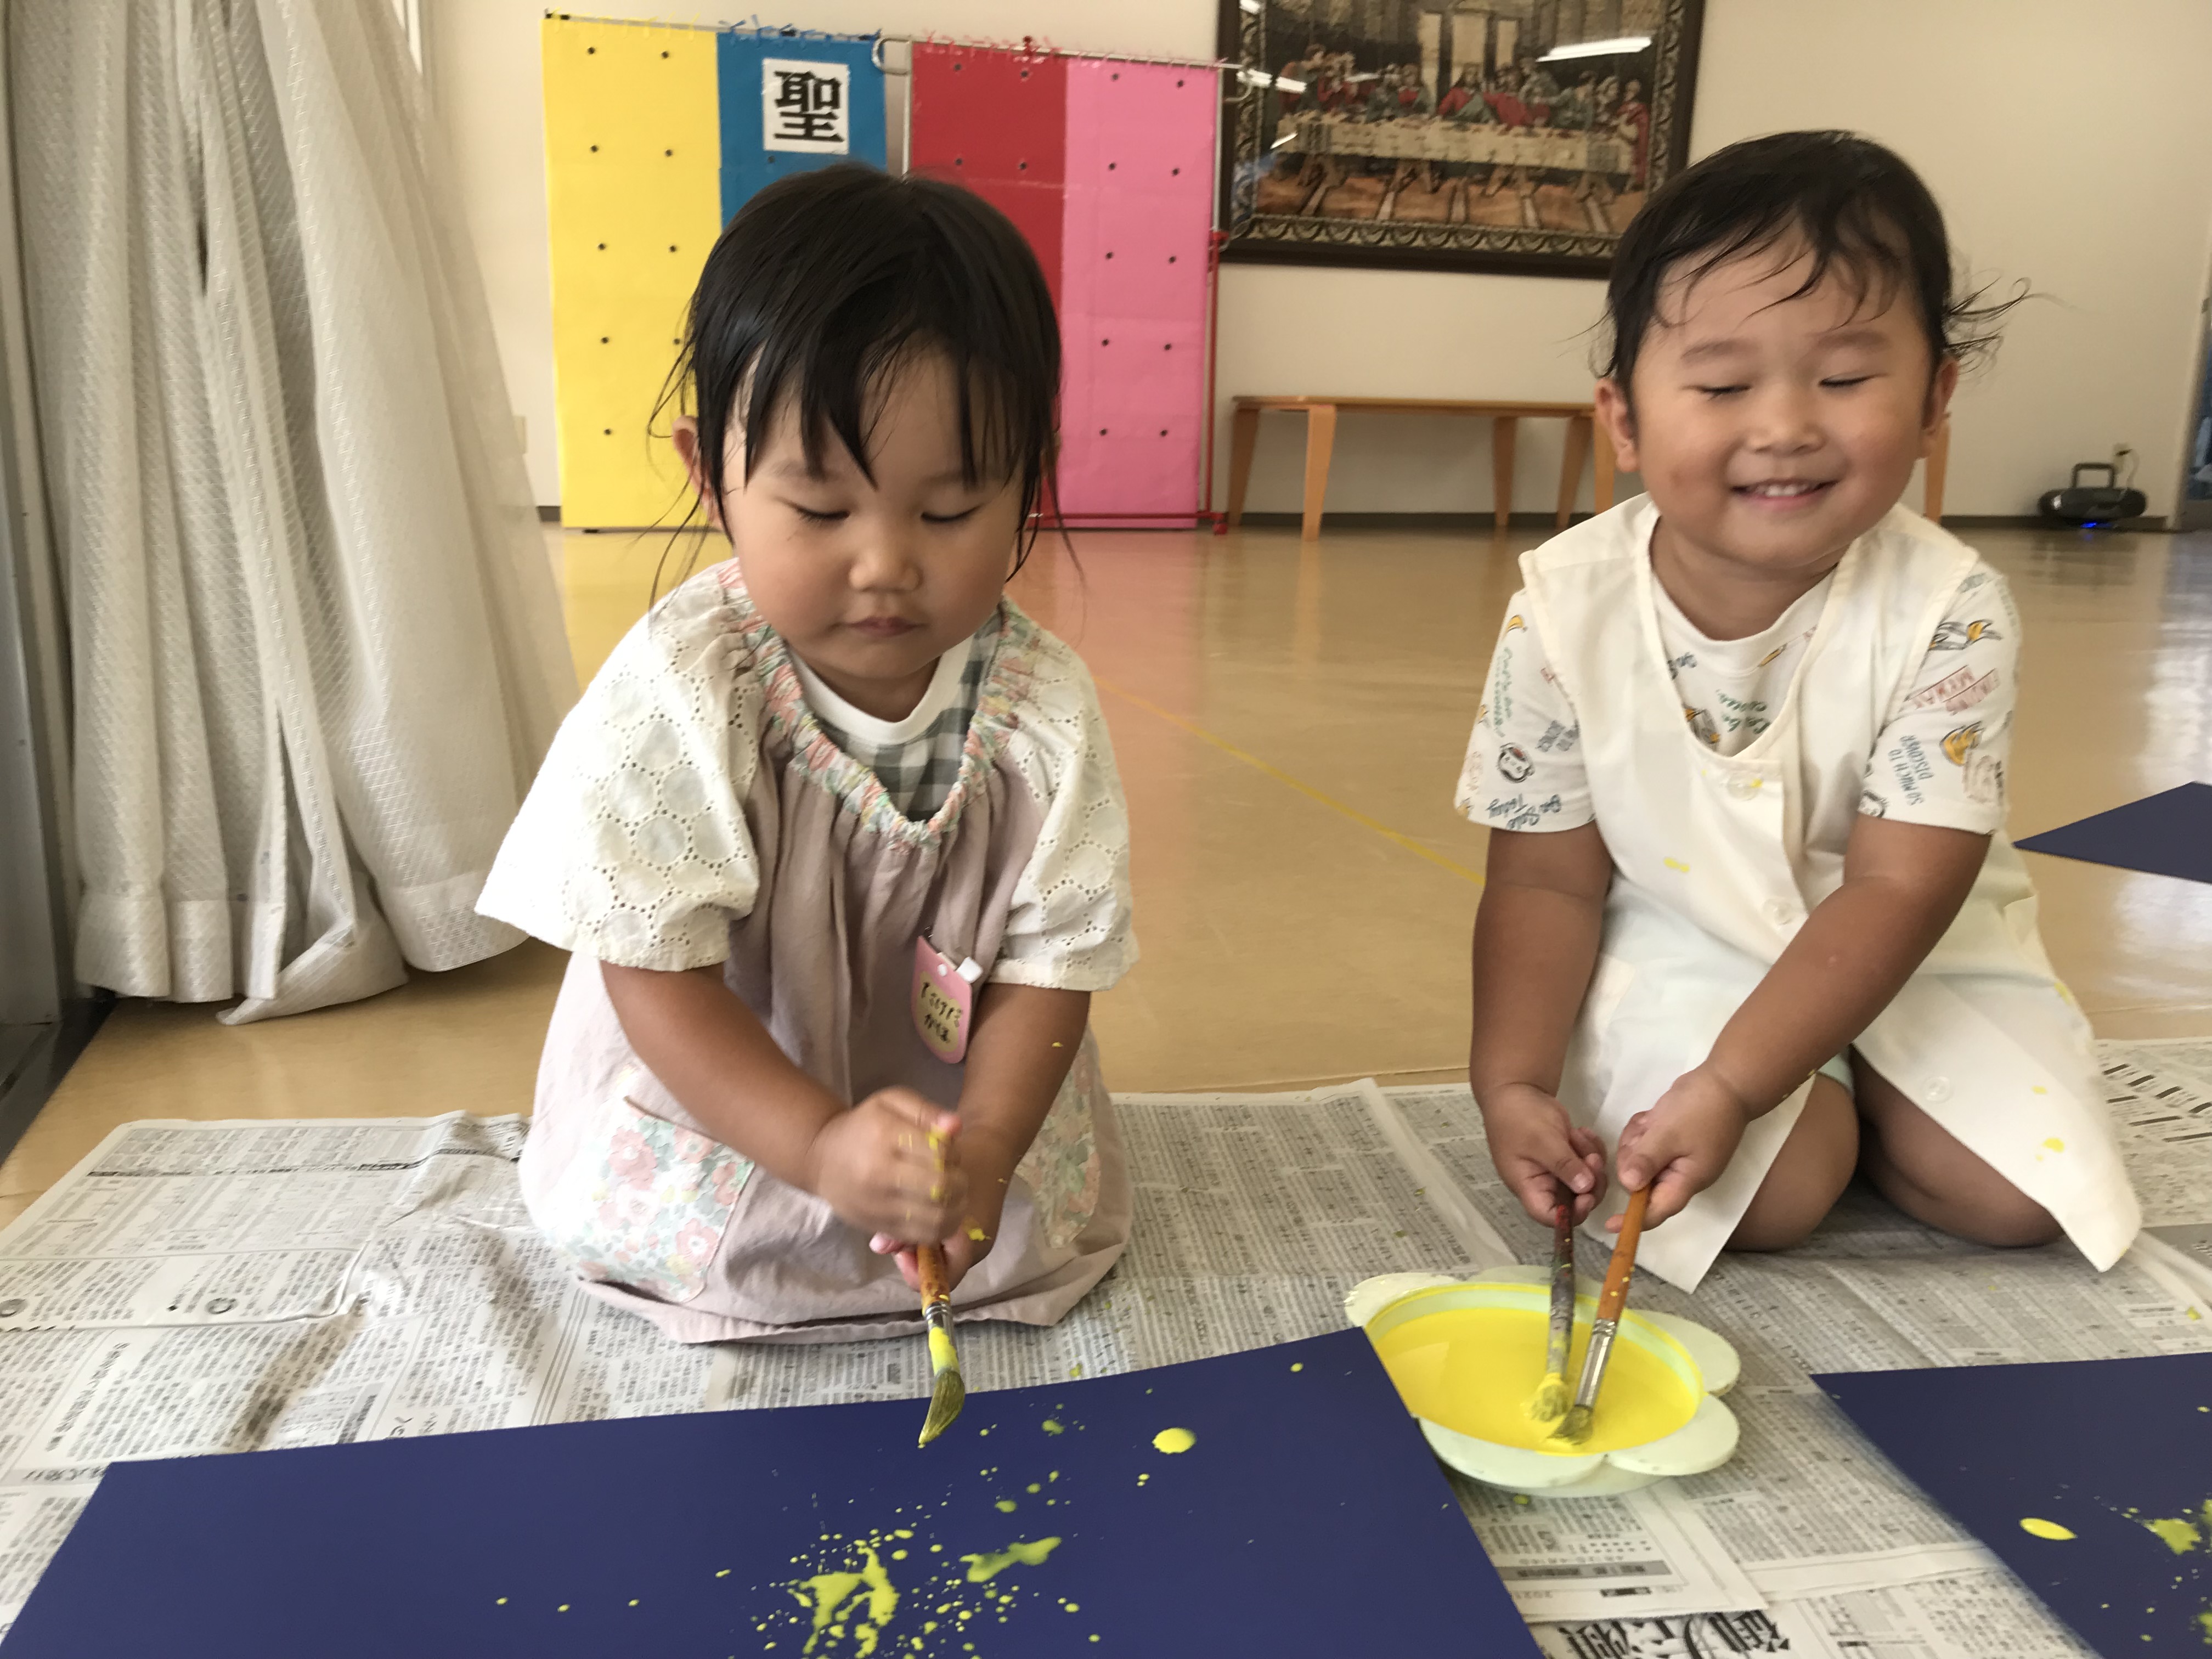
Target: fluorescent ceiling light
x=1249, y=8
x=1617, y=45
x=1252, y=77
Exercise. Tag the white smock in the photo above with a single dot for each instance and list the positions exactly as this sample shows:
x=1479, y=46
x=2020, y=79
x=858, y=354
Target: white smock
x=1719, y=858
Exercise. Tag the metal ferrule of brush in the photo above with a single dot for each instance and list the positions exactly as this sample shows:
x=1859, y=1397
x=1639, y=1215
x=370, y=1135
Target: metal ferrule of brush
x=1594, y=1358
x=937, y=1316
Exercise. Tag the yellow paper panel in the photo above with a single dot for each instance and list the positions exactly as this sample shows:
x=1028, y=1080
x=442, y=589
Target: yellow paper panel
x=632, y=185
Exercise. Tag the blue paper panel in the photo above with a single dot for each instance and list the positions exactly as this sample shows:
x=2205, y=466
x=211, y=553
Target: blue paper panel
x=2168, y=835
x=2117, y=1452
x=748, y=160
x=1307, y=1517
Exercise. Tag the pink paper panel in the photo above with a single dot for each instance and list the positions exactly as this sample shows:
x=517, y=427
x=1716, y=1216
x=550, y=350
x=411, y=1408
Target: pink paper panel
x=1134, y=230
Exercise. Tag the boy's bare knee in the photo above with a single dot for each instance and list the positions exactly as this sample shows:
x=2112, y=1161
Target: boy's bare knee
x=1807, y=1175
x=2011, y=1222
x=1779, y=1228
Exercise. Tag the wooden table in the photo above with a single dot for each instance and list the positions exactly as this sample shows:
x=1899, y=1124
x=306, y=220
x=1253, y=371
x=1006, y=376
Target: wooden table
x=1504, y=418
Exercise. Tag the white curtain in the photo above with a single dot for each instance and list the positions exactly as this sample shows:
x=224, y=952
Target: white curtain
x=316, y=649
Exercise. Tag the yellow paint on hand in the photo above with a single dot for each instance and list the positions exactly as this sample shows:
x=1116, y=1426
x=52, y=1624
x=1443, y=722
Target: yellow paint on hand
x=942, y=1355
x=977, y=1235
x=2042, y=1528
x=981, y=1569
x=1469, y=1370
x=2055, y=1144
x=1173, y=1440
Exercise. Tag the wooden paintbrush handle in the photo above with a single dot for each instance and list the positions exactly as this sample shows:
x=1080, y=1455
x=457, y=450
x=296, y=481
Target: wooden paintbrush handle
x=929, y=1267
x=1615, y=1294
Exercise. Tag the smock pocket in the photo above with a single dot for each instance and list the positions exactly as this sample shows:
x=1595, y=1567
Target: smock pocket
x=644, y=1203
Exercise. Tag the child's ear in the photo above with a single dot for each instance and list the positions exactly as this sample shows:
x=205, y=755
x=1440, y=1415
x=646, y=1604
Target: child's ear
x=684, y=432
x=1616, y=422
x=1940, y=385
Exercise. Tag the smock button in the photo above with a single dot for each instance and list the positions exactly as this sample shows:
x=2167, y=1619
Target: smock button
x=1938, y=1090
x=1780, y=912
x=1744, y=786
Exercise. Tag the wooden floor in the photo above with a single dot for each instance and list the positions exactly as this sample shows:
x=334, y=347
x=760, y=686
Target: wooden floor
x=1288, y=721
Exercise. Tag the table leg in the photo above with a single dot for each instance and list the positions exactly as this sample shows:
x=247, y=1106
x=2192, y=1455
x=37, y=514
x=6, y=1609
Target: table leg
x=1602, y=472
x=1320, y=437
x=1570, y=467
x=1504, y=431
x=1243, y=432
x=1939, y=463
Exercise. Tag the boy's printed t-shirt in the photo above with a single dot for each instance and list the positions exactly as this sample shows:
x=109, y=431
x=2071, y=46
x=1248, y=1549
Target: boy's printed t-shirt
x=1941, y=761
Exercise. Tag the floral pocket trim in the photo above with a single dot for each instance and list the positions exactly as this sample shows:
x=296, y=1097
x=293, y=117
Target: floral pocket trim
x=644, y=1202
x=1061, y=1166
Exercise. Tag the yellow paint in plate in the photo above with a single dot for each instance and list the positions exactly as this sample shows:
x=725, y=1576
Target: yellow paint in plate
x=1469, y=1362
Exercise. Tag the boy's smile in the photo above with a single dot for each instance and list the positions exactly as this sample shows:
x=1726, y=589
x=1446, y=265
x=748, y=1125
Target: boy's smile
x=1772, y=429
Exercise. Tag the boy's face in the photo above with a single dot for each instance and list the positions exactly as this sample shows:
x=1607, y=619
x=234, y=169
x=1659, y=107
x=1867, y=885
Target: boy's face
x=1772, y=432
x=869, y=583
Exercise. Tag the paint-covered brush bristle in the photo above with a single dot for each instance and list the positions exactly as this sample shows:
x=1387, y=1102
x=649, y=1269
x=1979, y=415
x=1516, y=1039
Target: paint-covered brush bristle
x=1575, y=1427
x=1550, y=1402
x=945, y=1400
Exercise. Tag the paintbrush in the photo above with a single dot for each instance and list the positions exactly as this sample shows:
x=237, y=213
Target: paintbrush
x=1575, y=1427
x=1550, y=1402
x=949, y=1393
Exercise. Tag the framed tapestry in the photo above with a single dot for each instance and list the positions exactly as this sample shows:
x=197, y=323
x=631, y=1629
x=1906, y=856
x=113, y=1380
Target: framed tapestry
x=1467, y=135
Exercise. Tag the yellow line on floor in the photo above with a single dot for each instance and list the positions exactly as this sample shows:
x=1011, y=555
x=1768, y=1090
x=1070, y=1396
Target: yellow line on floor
x=1298, y=784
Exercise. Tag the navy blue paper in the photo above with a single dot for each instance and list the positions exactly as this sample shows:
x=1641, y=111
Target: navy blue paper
x=1307, y=1517
x=2117, y=1452
x=2167, y=834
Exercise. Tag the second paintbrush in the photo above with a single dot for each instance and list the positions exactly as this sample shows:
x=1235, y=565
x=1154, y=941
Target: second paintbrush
x=1575, y=1428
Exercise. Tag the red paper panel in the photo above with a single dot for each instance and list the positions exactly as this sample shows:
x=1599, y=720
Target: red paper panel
x=996, y=122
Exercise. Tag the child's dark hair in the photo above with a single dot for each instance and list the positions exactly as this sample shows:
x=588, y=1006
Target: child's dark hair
x=826, y=280
x=1855, y=206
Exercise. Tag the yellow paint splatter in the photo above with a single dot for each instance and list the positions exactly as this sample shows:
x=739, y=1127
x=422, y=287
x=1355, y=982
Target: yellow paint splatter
x=978, y=1235
x=1173, y=1440
x=1036, y=1486
x=2055, y=1144
x=1051, y=1426
x=1676, y=863
x=981, y=1569
x=827, y=1595
x=1005, y=1506
x=501, y=1602
x=1299, y=1366
x=2049, y=1529
x=2177, y=1534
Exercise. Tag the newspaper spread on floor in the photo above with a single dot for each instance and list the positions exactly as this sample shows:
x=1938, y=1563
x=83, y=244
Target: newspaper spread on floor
x=197, y=1287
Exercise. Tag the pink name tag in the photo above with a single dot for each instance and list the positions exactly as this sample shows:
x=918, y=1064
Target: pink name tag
x=943, y=997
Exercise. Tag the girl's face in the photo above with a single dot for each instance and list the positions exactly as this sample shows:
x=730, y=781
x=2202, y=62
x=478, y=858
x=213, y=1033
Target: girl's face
x=1773, y=432
x=869, y=583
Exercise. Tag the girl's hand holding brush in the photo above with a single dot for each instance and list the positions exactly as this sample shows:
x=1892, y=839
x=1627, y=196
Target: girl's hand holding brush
x=972, y=1163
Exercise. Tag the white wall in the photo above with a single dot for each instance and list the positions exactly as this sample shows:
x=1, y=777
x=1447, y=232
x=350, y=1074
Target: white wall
x=2107, y=208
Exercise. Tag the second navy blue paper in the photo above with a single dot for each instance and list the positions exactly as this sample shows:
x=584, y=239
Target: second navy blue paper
x=2166, y=834
x=2089, y=1478
x=1305, y=1517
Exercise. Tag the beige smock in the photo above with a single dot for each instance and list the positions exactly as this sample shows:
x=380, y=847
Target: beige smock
x=1719, y=858
x=692, y=812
